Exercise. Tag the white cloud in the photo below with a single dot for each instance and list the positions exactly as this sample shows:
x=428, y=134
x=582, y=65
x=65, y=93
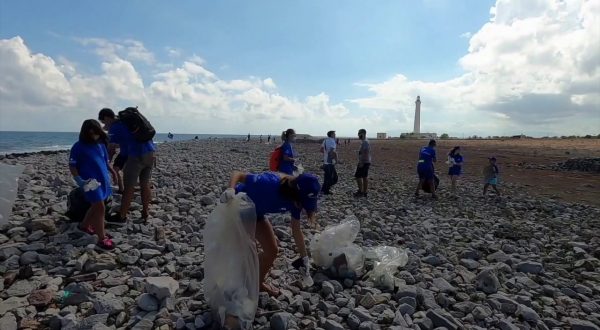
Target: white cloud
x=466, y=35
x=535, y=66
x=187, y=97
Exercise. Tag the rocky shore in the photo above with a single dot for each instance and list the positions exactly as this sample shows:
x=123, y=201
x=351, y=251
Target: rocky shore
x=510, y=262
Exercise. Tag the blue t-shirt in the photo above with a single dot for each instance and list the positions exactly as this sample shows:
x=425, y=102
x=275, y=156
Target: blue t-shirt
x=457, y=159
x=117, y=135
x=121, y=135
x=285, y=166
x=427, y=155
x=263, y=190
x=91, y=162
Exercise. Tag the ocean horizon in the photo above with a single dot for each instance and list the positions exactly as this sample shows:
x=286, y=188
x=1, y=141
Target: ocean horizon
x=22, y=141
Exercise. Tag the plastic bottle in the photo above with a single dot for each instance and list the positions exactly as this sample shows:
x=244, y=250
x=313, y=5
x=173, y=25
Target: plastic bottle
x=91, y=184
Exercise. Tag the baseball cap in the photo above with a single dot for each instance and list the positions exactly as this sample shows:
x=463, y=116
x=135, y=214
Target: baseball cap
x=309, y=187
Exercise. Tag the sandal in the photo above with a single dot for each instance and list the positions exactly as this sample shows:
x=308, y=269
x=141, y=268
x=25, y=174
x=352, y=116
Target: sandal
x=106, y=244
x=90, y=231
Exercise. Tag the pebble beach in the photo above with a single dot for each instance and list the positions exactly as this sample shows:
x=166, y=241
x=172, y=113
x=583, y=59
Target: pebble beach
x=516, y=261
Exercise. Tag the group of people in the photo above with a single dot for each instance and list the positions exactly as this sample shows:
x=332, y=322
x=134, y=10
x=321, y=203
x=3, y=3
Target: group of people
x=90, y=165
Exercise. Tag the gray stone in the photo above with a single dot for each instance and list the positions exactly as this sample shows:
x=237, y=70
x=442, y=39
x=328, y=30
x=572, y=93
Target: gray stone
x=481, y=312
x=8, y=322
x=530, y=267
x=577, y=324
x=527, y=314
x=207, y=200
x=406, y=291
x=408, y=300
x=433, y=260
x=469, y=263
x=487, y=281
x=92, y=321
x=111, y=306
x=406, y=309
x=29, y=257
x=100, y=262
x=327, y=288
x=353, y=321
x=130, y=257
x=362, y=314
x=149, y=253
x=443, y=285
x=161, y=287
x=147, y=302
x=46, y=225
x=506, y=325
x=12, y=303
x=22, y=288
x=441, y=319
x=280, y=321
x=332, y=325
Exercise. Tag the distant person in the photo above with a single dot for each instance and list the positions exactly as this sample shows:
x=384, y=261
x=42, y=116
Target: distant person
x=364, y=163
x=328, y=148
x=170, y=136
x=490, y=176
x=455, y=162
x=426, y=169
x=277, y=193
x=337, y=142
x=260, y=139
x=196, y=137
x=88, y=163
x=140, y=161
x=287, y=164
x=112, y=124
x=269, y=138
x=248, y=140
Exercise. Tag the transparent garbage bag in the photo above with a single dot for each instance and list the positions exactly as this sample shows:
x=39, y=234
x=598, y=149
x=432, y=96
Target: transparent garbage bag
x=335, y=241
x=388, y=259
x=231, y=262
x=9, y=184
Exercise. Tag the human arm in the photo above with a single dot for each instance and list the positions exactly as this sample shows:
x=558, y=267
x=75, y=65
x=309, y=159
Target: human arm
x=78, y=179
x=236, y=177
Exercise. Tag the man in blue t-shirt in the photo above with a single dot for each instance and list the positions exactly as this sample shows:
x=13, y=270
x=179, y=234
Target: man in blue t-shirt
x=139, y=163
x=426, y=169
x=113, y=126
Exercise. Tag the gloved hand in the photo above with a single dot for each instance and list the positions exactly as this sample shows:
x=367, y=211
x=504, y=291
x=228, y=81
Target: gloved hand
x=227, y=196
x=79, y=180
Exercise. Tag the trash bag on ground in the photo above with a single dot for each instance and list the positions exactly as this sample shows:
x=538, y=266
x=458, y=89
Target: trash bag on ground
x=333, y=249
x=231, y=262
x=387, y=260
x=9, y=184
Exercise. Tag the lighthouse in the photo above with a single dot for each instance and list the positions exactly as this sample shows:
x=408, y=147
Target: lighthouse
x=417, y=128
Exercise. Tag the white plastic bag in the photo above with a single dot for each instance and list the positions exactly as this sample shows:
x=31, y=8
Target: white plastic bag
x=231, y=261
x=388, y=259
x=336, y=240
x=9, y=183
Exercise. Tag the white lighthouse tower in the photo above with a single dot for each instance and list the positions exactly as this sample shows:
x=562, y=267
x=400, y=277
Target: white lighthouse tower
x=417, y=128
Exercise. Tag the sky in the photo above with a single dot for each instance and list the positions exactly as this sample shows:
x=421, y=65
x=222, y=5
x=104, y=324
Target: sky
x=481, y=68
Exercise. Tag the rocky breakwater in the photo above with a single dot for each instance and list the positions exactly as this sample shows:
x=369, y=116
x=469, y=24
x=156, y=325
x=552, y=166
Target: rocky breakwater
x=515, y=262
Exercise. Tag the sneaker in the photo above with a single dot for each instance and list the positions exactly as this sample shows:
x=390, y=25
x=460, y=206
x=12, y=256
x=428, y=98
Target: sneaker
x=106, y=244
x=358, y=194
x=116, y=220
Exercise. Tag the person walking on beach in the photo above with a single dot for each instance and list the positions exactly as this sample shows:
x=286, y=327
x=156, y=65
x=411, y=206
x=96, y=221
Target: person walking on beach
x=139, y=164
x=248, y=140
x=364, y=163
x=287, y=163
x=88, y=163
x=260, y=139
x=490, y=176
x=112, y=125
x=269, y=138
x=426, y=169
x=328, y=148
x=277, y=193
x=455, y=162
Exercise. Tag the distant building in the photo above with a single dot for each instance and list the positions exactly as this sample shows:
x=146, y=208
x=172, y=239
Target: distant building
x=381, y=136
x=419, y=136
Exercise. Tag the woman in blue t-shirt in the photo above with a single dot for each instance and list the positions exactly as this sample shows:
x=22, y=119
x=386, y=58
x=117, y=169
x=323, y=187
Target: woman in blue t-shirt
x=455, y=161
x=277, y=193
x=286, y=165
x=89, y=166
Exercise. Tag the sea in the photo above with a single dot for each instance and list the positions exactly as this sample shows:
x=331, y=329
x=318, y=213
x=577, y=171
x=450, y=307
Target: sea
x=20, y=142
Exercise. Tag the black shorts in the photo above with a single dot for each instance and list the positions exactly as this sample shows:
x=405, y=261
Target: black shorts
x=362, y=172
x=120, y=161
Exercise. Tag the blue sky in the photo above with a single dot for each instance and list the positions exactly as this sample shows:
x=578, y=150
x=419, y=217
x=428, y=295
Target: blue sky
x=343, y=50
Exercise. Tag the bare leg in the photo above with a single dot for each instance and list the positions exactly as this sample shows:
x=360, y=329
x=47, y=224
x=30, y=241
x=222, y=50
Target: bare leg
x=419, y=187
x=496, y=189
x=94, y=217
x=119, y=179
x=485, y=188
x=365, y=182
x=299, y=238
x=453, y=178
x=268, y=242
x=432, y=188
x=359, y=182
x=126, y=201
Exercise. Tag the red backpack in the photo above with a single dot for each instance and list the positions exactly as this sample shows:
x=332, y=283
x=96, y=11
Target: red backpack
x=275, y=159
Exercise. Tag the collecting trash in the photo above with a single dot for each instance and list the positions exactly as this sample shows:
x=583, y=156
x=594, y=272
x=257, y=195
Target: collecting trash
x=333, y=250
x=387, y=260
x=231, y=262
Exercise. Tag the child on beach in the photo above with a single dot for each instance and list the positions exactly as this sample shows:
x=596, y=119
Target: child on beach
x=490, y=175
x=455, y=161
x=277, y=193
x=89, y=166
x=287, y=164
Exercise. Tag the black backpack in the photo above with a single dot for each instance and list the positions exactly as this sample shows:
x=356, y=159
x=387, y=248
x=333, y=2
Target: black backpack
x=77, y=206
x=436, y=183
x=137, y=124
